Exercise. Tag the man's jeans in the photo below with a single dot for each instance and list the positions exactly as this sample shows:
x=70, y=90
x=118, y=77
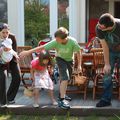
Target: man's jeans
x=107, y=79
x=107, y=85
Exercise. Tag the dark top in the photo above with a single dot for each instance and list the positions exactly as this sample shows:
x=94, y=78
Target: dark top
x=111, y=37
x=14, y=44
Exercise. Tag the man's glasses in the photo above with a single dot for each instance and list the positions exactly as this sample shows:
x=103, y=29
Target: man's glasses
x=104, y=28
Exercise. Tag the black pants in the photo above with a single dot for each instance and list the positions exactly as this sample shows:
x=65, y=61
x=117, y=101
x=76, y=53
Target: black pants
x=14, y=85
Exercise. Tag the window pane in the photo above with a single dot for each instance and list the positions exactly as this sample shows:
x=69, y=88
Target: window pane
x=3, y=11
x=63, y=16
x=36, y=21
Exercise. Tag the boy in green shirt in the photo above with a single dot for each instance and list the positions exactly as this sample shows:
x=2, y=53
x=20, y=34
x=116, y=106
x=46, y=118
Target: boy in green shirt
x=65, y=47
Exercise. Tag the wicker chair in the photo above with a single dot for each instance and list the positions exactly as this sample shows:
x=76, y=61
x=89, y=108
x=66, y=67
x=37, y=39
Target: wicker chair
x=76, y=88
x=98, y=80
x=25, y=65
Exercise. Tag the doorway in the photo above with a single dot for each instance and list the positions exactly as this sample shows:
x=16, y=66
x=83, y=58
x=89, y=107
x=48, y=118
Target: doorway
x=117, y=9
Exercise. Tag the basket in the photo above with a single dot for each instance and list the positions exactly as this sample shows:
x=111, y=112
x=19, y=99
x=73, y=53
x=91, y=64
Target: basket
x=28, y=92
x=79, y=79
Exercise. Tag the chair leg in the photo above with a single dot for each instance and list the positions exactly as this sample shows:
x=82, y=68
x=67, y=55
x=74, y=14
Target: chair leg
x=85, y=93
x=119, y=94
x=94, y=93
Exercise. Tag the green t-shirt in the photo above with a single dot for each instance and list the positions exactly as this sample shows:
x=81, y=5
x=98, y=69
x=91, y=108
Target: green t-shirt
x=64, y=51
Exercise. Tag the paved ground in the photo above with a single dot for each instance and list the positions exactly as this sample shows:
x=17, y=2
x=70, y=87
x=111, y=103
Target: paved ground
x=79, y=106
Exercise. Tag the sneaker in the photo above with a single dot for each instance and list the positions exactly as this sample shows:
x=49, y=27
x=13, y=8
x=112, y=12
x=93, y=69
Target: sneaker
x=103, y=103
x=11, y=102
x=54, y=103
x=3, y=105
x=66, y=101
x=63, y=104
x=68, y=98
x=35, y=105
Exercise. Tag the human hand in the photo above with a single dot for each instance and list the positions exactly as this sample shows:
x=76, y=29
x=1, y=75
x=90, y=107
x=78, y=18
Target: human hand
x=79, y=69
x=23, y=54
x=107, y=69
x=17, y=57
x=6, y=49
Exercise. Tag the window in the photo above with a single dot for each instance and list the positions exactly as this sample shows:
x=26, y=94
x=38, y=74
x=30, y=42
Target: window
x=3, y=11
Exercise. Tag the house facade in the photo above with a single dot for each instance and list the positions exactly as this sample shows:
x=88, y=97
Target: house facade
x=83, y=16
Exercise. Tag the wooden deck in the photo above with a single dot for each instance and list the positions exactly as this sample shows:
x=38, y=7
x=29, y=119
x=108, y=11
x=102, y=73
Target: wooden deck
x=79, y=106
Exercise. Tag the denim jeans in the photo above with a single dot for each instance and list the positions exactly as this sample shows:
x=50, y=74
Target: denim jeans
x=107, y=79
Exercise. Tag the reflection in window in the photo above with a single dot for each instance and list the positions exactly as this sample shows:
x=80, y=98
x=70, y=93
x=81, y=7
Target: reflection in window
x=3, y=11
x=36, y=21
x=63, y=18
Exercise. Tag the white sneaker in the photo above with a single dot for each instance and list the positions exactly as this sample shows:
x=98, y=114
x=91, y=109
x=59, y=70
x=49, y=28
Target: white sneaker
x=66, y=101
x=54, y=103
x=35, y=105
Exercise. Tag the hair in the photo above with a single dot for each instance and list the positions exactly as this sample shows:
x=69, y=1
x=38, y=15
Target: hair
x=107, y=20
x=44, y=54
x=3, y=26
x=61, y=33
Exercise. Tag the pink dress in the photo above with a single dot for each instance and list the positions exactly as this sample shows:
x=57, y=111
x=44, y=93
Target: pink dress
x=42, y=77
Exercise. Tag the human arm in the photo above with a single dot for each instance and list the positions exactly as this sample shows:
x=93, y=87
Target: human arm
x=105, y=47
x=14, y=54
x=1, y=50
x=47, y=46
x=25, y=53
x=32, y=75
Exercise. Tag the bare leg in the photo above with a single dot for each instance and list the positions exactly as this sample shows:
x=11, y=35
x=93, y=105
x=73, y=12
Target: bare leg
x=36, y=96
x=63, y=88
x=52, y=97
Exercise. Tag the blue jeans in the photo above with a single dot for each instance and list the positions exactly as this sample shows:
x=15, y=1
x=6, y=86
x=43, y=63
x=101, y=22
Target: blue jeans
x=107, y=79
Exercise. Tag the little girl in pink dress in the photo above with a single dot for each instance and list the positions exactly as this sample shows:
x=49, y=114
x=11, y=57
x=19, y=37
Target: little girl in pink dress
x=41, y=77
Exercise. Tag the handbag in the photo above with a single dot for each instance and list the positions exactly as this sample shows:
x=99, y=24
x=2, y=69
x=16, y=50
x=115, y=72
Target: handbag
x=79, y=79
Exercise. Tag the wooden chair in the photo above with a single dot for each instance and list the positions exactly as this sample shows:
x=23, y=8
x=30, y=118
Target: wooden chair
x=87, y=65
x=24, y=64
x=72, y=87
x=98, y=80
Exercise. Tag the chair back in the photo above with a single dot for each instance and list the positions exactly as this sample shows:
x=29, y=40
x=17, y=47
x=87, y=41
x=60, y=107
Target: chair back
x=25, y=62
x=24, y=65
x=98, y=59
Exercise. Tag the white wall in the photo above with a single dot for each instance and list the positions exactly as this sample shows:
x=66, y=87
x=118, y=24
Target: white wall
x=77, y=19
x=16, y=19
x=53, y=17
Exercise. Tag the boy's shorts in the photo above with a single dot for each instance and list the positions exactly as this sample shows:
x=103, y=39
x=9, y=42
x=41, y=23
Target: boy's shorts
x=65, y=68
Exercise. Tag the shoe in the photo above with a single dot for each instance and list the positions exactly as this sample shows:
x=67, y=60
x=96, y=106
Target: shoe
x=54, y=103
x=11, y=102
x=63, y=104
x=68, y=98
x=35, y=105
x=103, y=103
x=3, y=105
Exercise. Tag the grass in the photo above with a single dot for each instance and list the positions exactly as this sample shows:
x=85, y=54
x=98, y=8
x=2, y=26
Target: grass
x=67, y=117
